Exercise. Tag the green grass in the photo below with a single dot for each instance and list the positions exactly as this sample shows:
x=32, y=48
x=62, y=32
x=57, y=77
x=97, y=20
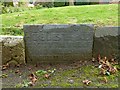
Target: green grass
x=101, y=15
x=61, y=78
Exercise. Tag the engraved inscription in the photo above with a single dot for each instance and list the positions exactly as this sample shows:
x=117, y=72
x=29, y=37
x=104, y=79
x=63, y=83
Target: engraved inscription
x=58, y=43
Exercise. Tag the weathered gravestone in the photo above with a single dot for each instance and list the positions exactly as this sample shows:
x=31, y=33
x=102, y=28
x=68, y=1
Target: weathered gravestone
x=58, y=43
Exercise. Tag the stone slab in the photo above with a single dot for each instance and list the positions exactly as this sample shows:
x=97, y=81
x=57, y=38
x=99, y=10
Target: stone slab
x=58, y=43
x=106, y=42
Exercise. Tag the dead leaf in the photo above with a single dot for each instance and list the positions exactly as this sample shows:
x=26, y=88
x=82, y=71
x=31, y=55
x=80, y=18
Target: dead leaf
x=105, y=80
x=31, y=84
x=87, y=82
x=4, y=67
x=103, y=71
x=113, y=70
x=47, y=76
x=18, y=65
x=112, y=60
x=33, y=78
x=108, y=64
x=105, y=59
x=17, y=71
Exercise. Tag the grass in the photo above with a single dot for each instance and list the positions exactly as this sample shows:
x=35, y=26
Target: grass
x=101, y=15
x=61, y=78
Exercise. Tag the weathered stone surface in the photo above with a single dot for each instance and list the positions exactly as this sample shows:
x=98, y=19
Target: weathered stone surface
x=58, y=43
x=106, y=42
x=12, y=49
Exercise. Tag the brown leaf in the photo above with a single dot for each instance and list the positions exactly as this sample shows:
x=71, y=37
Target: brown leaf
x=18, y=65
x=17, y=71
x=112, y=60
x=113, y=70
x=47, y=75
x=33, y=78
x=4, y=67
x=105, y=59
x=105, y=80
x=108, y=64
x=103, y=71
x=87, y=82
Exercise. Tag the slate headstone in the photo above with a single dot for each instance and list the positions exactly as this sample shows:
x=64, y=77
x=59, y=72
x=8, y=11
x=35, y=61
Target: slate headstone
x=58, y=43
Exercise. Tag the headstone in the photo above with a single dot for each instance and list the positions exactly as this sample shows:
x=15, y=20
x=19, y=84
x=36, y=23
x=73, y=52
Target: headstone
x=106, y=42
x=58, y=43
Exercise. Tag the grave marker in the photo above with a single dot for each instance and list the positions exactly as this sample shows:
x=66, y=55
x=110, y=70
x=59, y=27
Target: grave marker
x=58, y=43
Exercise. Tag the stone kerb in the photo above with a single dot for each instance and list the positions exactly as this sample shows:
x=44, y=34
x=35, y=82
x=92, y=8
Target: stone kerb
x=106, y=42
x=12, y=49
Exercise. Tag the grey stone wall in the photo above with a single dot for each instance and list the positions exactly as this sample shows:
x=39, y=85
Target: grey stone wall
x=58, y=43
x=12, y=49
x=106, y=42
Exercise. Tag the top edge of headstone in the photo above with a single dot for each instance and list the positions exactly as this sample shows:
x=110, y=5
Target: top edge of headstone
x=51, y=26
x=65, y=25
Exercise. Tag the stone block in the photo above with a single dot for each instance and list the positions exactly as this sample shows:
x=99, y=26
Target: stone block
x=58, y=43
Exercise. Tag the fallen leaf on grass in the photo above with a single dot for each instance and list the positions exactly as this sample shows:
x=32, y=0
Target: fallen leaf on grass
x=105, y=80
x=103, y=71
x=4, y=67
x=87, y=82
x=106, y=67
x=47, y=76
x=18, y=65
x=113, y=70
x=17, y=71
x=33, y=79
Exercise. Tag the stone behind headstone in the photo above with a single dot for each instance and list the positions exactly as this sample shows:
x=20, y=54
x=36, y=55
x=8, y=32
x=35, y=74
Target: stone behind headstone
x=12, y=50
x=106, y=42
x=58, y=43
